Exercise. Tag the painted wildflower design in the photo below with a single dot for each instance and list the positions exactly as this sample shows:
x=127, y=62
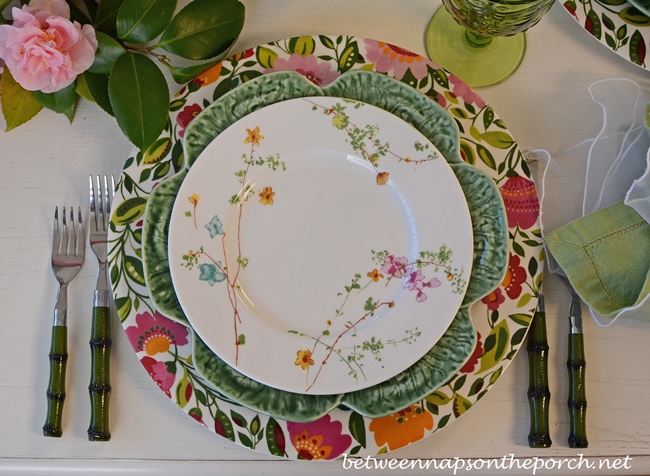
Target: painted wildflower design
x=365, y=140
x=213, y=270
x=387, y=268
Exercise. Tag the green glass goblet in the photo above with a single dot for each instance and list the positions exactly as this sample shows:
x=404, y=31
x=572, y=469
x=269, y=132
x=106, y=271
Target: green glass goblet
x=482, y=41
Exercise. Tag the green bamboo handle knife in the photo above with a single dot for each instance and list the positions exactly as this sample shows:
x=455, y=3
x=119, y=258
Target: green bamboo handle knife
x=539, y=394
x=577, y=395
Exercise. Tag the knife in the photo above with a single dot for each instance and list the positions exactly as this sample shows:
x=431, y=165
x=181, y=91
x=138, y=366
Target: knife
x=539, y=394
x=576, y=366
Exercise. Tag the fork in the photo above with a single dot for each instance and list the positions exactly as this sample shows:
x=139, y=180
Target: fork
x=68, y=247
x=100, y=339
x=576, y=364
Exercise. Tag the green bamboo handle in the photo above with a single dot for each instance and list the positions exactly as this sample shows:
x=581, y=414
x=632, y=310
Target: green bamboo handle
x=577, y=396
x=56, y=385
x=100, y=385
x=539, y=394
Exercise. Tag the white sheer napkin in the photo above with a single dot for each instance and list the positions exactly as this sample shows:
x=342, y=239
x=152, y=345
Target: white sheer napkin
x=614, y=165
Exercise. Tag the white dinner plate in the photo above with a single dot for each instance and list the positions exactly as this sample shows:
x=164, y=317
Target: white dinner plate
x=320, y=245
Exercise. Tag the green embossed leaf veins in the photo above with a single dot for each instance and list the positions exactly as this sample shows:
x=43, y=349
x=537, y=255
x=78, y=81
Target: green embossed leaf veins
x=139, y=97
x=140, y=21
x=204, y=29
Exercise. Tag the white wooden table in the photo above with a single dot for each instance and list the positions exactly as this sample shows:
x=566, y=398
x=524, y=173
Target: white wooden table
x=47, y=162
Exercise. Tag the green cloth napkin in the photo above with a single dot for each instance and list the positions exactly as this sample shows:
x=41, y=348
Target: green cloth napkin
x=606, y=256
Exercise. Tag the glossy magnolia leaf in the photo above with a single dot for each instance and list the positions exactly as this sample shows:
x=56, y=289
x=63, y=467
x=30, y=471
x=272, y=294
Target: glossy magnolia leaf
x=108, y=50
x=91, y=7
x=140, y=21
x=107, y=15
x=97, y=87
x=184, y=74
x=59, y=101
x=204, y=29
x=82, y=88
x=18, y=104
x=139, y=97
x=77, y=15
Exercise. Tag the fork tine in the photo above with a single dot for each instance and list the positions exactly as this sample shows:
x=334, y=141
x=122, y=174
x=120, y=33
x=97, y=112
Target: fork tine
x=81, y=239
x=64, y=234
x=107, y=203
x=93, y=214
x=100, y=205
x=73, y=234
x=55, y=234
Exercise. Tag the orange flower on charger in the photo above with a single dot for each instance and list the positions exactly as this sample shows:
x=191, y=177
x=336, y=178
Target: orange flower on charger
x=401, y=428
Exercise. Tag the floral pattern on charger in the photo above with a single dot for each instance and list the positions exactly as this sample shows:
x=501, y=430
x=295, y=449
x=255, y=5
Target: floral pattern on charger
x=616, y=24
x=501, y=319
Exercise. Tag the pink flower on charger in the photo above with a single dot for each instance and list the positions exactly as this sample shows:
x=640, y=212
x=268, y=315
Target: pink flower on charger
x=320, y=74
x=463, y=91
x=43, y=49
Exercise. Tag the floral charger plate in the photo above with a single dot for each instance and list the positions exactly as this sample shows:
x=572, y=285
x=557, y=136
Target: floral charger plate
x=501, y=319
x=619, y=26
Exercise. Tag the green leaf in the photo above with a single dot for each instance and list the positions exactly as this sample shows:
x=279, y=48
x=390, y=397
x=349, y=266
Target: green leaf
x=525, y=299
x=108, y=50
x=76, y=14
x=609, y=39
x=123, y=306
x=184, y=74
x=500, y=336
x=495, y=376
x=82, y=88
x=326, y=42
x=255, y=425
x=59, y=101
x=518, y=336
x=532, y=266
x=238, y=419
x=139, y=97
x=634, y=17
x=157, y=151
x=596, y=27
x=106, y=16
x=521, y=319
x=357, y=428
x=18, y=104
x=91, y=6
x=274, y=438
x=302, y=45
x=349, y=57
x=69, y=113
x=245, y=440
x=134, y=269
x=204, y=29
x=140, y=21
x=476, y=387
x=458, y=384
x=97, y=86
x=637, y=48
x=517, y=248
x=609, y=24
x=458, y=112
x=486, y=156
x=488, y=117
x=498, y=139
x=439, y=76
x=443, y=421
x=181, y=391
x=467, y=152
x=438, y=398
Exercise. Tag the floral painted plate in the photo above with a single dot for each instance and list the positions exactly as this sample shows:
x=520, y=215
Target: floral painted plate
x=617, y=24
x=501, y=319
x=320, y=291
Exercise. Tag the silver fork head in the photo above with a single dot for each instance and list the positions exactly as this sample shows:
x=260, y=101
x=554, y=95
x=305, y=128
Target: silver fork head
x=68, y=246
x=100, y=214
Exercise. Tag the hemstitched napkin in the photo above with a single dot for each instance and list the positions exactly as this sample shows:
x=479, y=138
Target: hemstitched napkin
x=606, y=256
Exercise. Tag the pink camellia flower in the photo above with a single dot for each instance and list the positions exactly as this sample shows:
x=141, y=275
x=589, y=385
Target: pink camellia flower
x=43, y=49
x=320, y=74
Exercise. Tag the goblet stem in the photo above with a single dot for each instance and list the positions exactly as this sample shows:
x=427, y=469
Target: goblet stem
x=477, y=41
